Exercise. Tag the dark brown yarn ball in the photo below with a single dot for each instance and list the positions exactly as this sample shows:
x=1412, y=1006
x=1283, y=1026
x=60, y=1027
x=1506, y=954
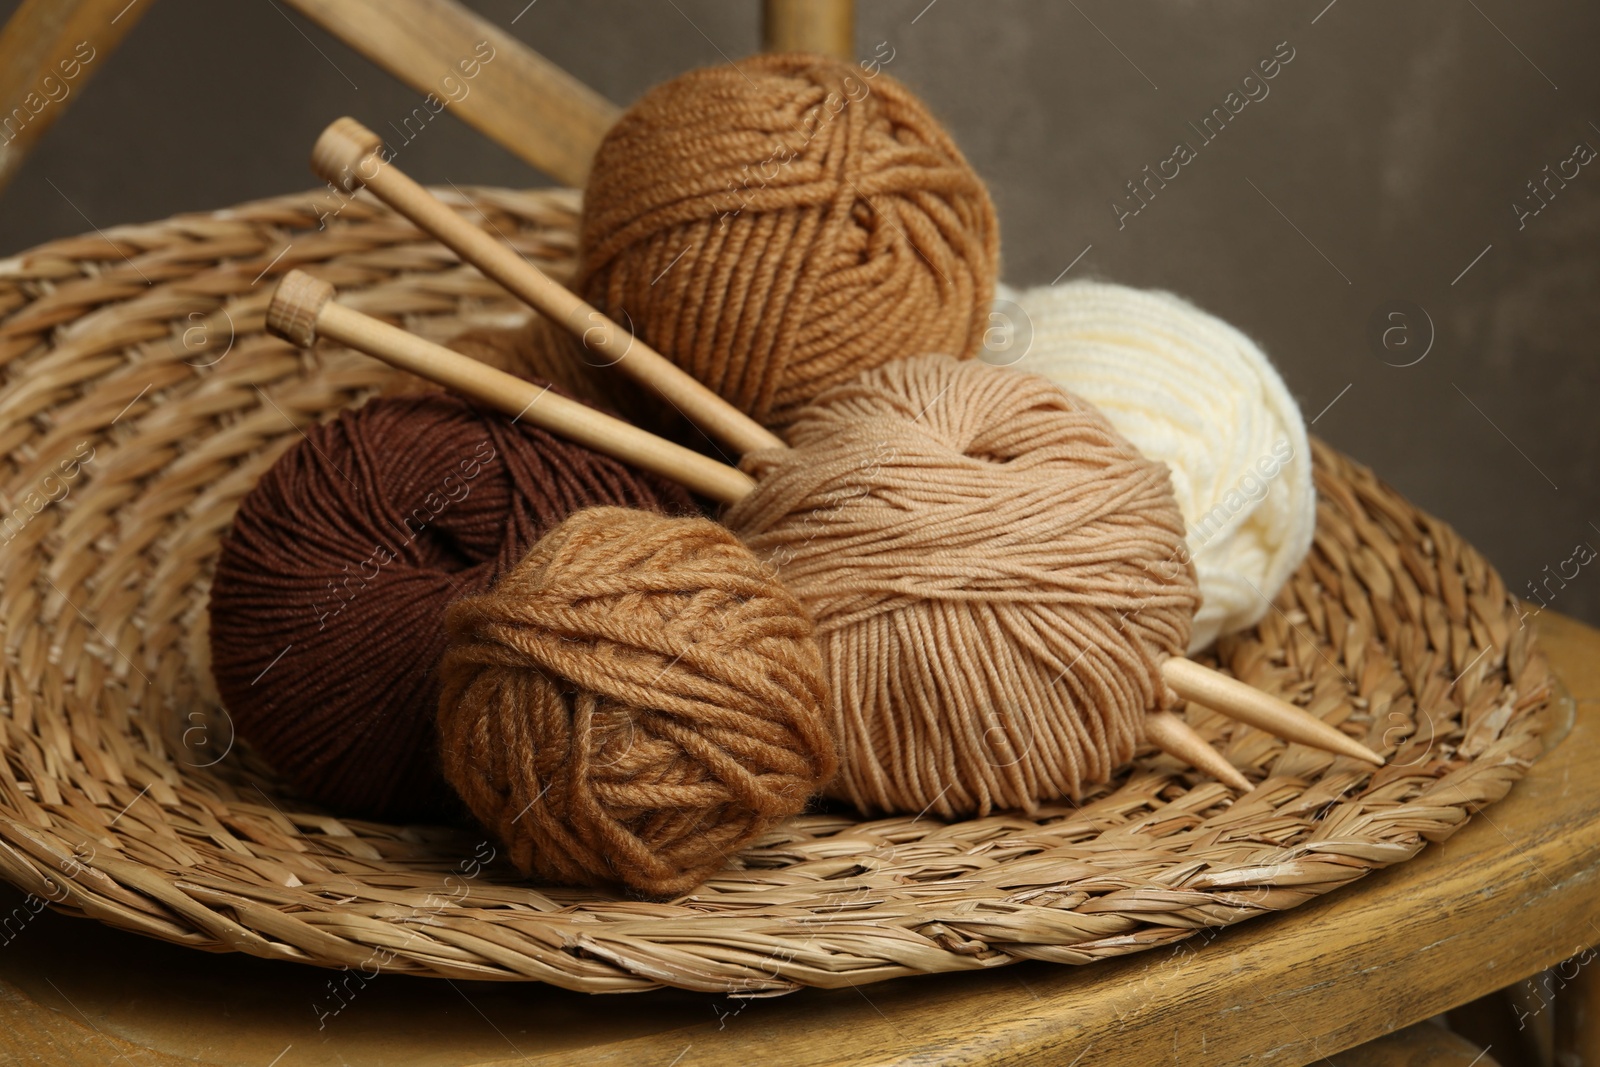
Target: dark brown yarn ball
x=327, y=610
x=633, y=702
x=780, y=226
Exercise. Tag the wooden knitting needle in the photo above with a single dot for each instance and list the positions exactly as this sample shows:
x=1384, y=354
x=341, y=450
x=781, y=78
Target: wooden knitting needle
x=302, y=308
x=348, y=154
x=1244, y=702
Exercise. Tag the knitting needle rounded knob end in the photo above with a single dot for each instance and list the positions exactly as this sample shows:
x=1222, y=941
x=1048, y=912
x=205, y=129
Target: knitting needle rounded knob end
x=296, y=303
x=346, y=154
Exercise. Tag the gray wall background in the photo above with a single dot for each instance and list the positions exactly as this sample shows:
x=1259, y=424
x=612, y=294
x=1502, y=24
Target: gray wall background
x=1382, y=167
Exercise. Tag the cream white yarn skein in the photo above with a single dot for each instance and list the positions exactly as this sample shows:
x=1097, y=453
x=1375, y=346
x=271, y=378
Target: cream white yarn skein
x=1191, y=391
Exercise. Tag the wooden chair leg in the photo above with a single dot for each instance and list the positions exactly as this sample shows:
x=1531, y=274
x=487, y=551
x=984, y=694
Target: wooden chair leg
x=48, y=51
x=1534, y=1005
x=1577, y=1022
x=825, y=26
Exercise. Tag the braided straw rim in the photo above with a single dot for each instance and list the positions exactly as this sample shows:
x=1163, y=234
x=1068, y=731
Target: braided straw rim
x=123, y=798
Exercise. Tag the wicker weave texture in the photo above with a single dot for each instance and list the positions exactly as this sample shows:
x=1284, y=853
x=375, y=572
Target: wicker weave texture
x=140, y=401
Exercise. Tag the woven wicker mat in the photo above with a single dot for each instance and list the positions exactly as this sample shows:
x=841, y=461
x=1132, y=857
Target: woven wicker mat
x=140, y=401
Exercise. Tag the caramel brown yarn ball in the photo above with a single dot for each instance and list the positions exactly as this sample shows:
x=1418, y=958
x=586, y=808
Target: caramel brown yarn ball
x=779, y=226
x=328, y=605
x=633, y=702
x=996, y=577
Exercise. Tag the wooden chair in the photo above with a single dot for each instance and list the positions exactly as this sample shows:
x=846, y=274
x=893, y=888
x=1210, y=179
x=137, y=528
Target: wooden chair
x=1509, y=896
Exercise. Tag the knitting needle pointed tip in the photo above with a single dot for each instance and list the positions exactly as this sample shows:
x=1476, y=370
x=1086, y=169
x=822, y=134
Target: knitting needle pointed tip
x=1241, y=701
x=1177, y=738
